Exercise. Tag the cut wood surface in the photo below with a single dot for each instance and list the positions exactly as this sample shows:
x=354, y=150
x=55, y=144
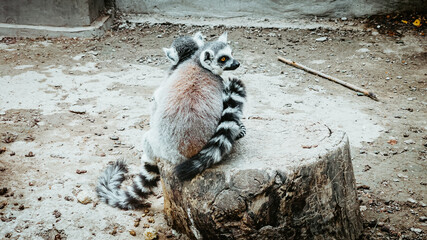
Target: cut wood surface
x=284, y=180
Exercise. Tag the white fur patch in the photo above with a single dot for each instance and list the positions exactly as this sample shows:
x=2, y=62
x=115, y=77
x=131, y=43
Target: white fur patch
x=230, y=110
x=149, y=176
x=225, y=51
x=223, y=38
x=132, y=193
x=207, y=61
x=138, y=182
x=232, y=125
x=198, y=38
x=236, y=97
x=172, y=55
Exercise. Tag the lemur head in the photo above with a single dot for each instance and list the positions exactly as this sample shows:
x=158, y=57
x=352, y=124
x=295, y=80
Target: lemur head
x=216, y=56
x=183, y=48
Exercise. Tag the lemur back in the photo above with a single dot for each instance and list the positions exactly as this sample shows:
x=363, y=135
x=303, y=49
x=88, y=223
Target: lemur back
x=187, y=117
x=195, y=121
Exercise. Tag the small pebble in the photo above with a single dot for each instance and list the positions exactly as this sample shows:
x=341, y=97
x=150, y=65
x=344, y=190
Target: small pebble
x=344, y=19
x=416, y=230
x=399, y=77
x=409, y=141
x=136, y=222
x=81, y=171
x=363, y=208
x=150, y=234
x=57, y=214
x=411, y=200
x=30, y=154
x=387, y=78
x=400, y=175
x=83, y=197
x=114, y=138
x=132, y=232
x=3, y=191
x=321, y=39
x=69, y=198
x=367, y=168
x=423, y=219
x=77, y=110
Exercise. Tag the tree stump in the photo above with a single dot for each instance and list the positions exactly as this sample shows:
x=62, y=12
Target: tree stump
x=283, y=180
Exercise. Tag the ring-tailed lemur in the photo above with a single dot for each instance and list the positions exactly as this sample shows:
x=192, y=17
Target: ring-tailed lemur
x=189, y=106
x=182, y=49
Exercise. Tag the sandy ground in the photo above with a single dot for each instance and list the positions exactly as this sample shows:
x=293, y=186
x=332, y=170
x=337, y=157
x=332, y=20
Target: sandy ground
x=70, y=106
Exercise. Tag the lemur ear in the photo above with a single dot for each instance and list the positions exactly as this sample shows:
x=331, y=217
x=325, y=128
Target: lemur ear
x=171, y=54
x=207, y=56
x=199, y=39
x=223, y=38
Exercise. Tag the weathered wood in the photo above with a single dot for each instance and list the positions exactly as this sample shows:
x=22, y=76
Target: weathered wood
x=283, y=181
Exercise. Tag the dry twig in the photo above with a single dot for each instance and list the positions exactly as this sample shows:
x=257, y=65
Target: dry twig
x=345, y=84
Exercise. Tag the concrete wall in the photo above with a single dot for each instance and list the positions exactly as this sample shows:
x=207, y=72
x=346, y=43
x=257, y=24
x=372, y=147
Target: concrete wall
x=58, y=13
x=270, y=8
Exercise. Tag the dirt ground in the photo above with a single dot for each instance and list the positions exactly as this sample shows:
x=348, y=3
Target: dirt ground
x=70, y=106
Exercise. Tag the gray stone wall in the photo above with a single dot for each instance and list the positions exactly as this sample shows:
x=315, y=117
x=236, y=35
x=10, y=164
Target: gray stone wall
x=270, y=8
x=58, y=13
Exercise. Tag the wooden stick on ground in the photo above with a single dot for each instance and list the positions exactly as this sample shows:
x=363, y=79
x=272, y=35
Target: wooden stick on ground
x=315, y=72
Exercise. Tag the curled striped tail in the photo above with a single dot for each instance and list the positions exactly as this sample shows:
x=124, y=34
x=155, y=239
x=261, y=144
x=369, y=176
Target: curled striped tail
x=134, y=197
x=229, y=129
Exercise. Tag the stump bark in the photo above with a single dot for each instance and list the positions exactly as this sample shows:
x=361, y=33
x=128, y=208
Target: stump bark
x=282, y=181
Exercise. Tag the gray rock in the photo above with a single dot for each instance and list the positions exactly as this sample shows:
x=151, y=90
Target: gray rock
x=411, y=200
x=114, y=138
x=77, y=109
x=409, y=141
x=321, y=39
x=416, y=230
x=400, y=175
x=84, y=197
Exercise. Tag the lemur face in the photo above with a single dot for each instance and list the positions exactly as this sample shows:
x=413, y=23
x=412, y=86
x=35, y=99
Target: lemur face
x=217, y=56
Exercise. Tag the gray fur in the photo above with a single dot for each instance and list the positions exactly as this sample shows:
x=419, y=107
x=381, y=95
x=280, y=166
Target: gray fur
x=183, y=48
x=188, y=107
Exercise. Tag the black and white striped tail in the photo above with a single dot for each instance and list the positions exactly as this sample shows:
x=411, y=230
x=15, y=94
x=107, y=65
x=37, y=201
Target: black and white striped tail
x=229, y=129
x=134, y=197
